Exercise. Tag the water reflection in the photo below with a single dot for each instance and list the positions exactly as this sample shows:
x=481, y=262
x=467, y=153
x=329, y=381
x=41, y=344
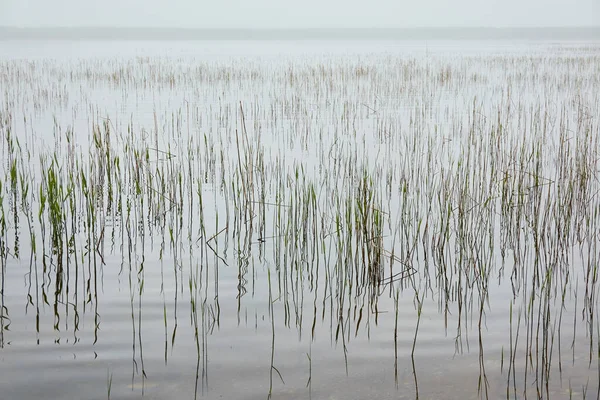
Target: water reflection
x=357, y=227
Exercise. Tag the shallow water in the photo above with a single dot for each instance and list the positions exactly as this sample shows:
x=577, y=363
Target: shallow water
x=266, y=292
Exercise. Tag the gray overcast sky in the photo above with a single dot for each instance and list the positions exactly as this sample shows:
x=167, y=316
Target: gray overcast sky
x=298, y=13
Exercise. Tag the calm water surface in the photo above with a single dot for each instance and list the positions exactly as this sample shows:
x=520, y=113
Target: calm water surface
x=327, y=220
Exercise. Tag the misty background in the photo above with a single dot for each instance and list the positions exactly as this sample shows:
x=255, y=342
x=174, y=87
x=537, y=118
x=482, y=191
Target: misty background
x=287, y=14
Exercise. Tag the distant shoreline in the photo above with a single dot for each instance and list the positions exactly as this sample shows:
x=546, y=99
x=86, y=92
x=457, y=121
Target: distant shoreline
x=108, y=33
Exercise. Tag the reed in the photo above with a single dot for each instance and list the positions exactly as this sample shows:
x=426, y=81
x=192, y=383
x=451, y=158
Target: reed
x=342, y=190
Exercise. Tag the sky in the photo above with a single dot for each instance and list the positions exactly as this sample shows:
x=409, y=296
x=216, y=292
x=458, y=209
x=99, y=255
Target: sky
x=277, y=14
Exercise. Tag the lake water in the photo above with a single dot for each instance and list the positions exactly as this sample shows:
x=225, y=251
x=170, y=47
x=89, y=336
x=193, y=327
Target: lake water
x=299, y=219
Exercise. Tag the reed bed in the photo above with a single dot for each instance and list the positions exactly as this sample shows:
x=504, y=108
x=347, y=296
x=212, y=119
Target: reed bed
x=335, y=190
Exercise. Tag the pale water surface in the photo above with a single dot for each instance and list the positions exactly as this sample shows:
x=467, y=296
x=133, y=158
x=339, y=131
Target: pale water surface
x=223, y=200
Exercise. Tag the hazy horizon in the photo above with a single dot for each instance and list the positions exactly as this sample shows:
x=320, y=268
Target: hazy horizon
x=433, y=33
x=294, y=28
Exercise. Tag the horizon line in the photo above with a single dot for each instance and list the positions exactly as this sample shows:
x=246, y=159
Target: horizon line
x=188, y=28
x=295, y=33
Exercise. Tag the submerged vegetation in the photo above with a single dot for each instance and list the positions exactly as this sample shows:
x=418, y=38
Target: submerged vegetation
x=336, y=199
